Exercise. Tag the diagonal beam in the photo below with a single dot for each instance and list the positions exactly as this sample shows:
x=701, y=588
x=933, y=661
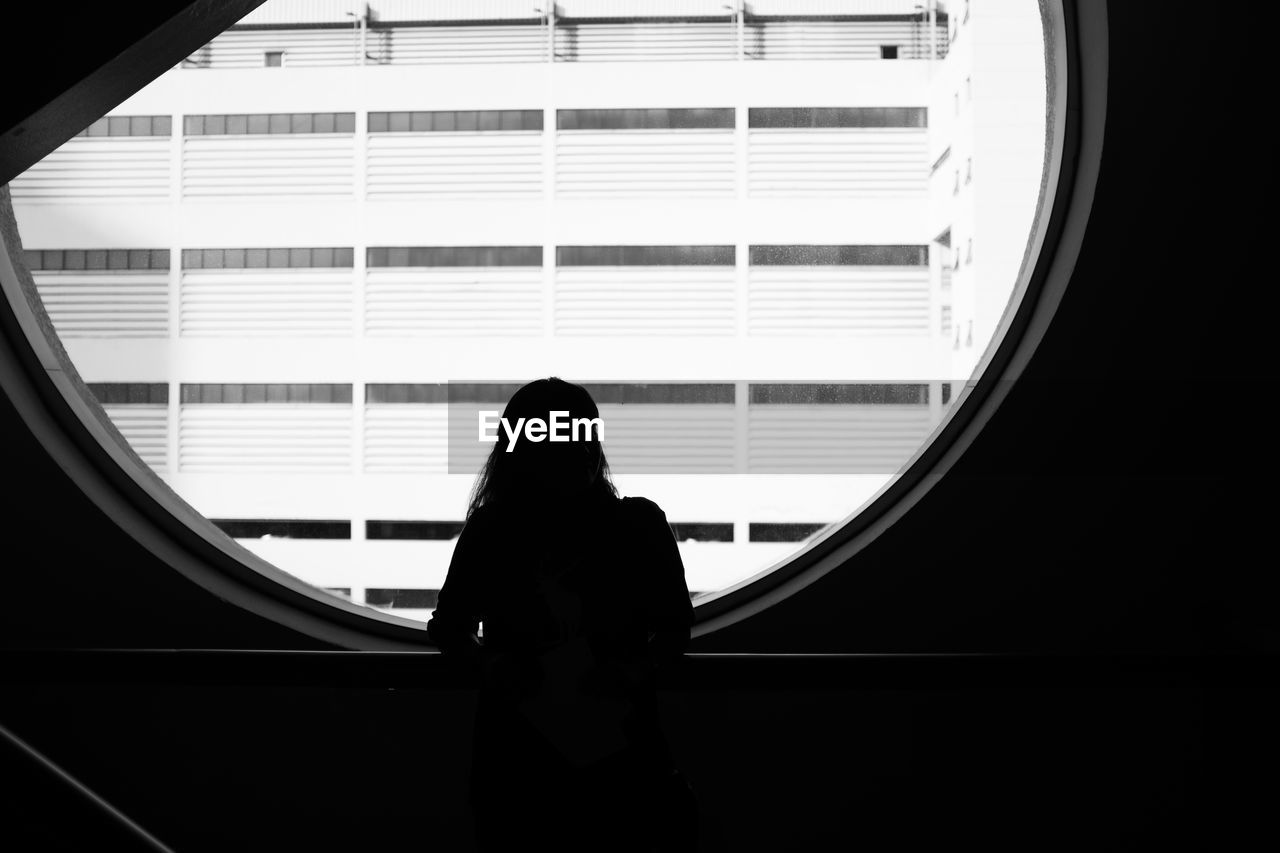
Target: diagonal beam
x=88, y=60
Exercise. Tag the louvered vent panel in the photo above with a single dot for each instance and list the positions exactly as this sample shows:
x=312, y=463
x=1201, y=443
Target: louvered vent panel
x=454, y=301
x=831, y=7
x=455, y=165
x=688, y=300
x=302, y=12
x=394, y=11
x=834, y=439
x=458, y=44
x=406, y=438
x=465, y=453
x=862, y=162
x=658, y=41
x=645, y=163
x=287, y=166
x=302, y=48
x=798, y=300
x=399, y=44
x=253, y=302
x=639, y=438
x=669, y=439
x=264, y=438
x=839, y=39
x=106, y=304
x=99, y=168
x=146, y=428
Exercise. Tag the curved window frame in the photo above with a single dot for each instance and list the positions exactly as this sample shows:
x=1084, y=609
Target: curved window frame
x=57, y=405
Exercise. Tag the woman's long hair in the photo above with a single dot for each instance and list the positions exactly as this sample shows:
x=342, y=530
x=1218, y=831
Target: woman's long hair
x=503, y=480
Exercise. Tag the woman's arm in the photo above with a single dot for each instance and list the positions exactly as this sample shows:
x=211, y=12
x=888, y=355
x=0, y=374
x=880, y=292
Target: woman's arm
x=456, y=620
x=670, y=610
x=454, y=625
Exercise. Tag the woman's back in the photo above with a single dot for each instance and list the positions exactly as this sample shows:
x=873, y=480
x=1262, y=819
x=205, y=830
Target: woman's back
x=579, y=604
x=605, y=568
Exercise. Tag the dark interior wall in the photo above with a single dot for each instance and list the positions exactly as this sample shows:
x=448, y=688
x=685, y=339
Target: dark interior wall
x=1047, y=768
x=1112, y=502
x=1116, y=502
x=1101, y=509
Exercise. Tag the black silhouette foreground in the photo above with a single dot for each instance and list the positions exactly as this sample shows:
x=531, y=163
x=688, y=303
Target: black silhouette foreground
x=582, y=597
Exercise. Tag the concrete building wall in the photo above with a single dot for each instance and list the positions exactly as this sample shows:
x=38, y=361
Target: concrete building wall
x=351, y=168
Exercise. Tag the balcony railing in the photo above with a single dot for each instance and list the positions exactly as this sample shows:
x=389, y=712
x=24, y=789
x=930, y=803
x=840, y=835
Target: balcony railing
x=721, y=38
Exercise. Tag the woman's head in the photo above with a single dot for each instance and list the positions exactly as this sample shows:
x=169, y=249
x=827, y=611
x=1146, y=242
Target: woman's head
x=532, y=472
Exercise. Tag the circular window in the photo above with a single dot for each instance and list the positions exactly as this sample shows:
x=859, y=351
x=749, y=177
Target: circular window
x=780, y=248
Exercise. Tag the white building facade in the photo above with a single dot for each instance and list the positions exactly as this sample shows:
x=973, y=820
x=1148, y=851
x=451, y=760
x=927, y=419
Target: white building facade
x=773, y=241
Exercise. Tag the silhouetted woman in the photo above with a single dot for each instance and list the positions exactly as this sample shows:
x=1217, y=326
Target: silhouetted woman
x=582, y=597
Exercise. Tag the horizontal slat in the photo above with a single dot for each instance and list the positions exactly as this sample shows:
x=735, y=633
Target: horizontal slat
x=114, y=304
x=465, y=453
x=834, y=439
x=596, y=41
x=645, y=163
x=289, y=302
x=265, y=437
x=454, y=301
x=302, y=48
x=676, y=300
x=639, y=8
x=406, y=438
x=284, y=166
x=427, y=165
x=850, y=39
x=647, y=40
x=284, y=12
x=639, y=439
x=146, y=428
x=115, y=168
x=669, y=439
x=796, y=300
x=838, y=162
x=458, y=44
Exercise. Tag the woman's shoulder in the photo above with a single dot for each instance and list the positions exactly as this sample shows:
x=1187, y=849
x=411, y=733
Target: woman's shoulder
x=639, y=503
x=479, y=518
x=641, y=508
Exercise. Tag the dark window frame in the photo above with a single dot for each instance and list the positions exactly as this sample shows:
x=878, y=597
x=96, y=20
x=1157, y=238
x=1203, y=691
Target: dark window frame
x=803, y=118
x=704, y=393
x=401, y=599
x=279, y=257
x=838, y=393
x=97, y=260
x=236, y=393
x=267, y=124
x=783, y=531
x=399, y=257
x=417, y=531
x=645, y=256
x=844, y=255
x=130, y=393
x=283, y=528
x=454, y=121
x=158, y=126
x=702, y=531
x=96, y=462
x=658, y=118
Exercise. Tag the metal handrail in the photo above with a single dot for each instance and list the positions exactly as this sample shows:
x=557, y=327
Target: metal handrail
x=79, y=789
